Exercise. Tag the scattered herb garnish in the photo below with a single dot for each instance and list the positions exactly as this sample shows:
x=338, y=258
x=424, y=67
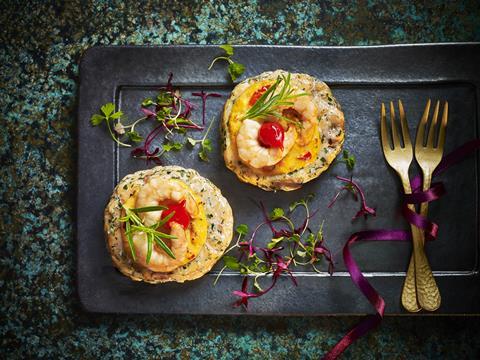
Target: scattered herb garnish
x=108, y=115
x=205, y=144
x=169, y=110
x=271, y=100
x=289, y=246
x=133, y=223
x=234, y=69
x=348, y=159
x=355, y=189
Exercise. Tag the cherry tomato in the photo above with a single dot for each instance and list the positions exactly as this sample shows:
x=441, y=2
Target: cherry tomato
x=271, y=135
x=258, y=94
x=181, y=216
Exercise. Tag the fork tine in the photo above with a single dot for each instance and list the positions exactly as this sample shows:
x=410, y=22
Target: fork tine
x=419, y=141
x=403, y=122
x=433, y=126
x=395, y=138
x=383, y=129
x=443, y=125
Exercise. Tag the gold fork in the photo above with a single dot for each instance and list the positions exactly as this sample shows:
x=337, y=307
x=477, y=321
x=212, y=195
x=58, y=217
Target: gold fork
x=400, y=158
x=428, y=157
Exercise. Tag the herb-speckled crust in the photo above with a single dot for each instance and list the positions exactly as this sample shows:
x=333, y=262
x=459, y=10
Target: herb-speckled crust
x=331, y=128
x=217, y=210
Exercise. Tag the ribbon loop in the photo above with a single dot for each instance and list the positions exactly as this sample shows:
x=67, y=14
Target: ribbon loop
x=431, y=230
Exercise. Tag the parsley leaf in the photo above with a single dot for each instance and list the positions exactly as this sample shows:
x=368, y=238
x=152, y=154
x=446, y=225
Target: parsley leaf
x=191, y=141
x=242, y=229
x=134, y=136
x=147, y=102
x=277, y=213
x=203, y=154
x=228, y=49
x=231, y=262
x=205, y=144
x=235, y=70
x=274, y=242
x=172, y=146
x=107, y=109
x=97, y=119
x=349, y=160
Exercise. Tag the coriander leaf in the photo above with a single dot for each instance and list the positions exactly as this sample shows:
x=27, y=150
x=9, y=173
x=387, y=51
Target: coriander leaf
x=228, y=49
x=164, y=98
x=276, y=213
x=301, y=253
x=172, y=146
x=107, y=109
x=242, y=229
x=203, y=155
x=147, y=102
x=191, y=141
x=235, y=70
x=348, y=159
x=134, y=136
x=294, y=238
x=274, y=242
x=116, y=115
x=231, y=262
x=295, y=204
x=311, y=239
x=96, y=119
x=207, y=144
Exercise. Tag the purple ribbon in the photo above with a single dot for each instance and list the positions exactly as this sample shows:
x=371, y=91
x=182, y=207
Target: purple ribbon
x=430, y=228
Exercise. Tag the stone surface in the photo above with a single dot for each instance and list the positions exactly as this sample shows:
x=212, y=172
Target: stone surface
x=40, y=48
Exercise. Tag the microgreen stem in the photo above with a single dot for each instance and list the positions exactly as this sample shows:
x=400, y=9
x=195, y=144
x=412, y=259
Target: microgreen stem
x=230, y=61
x=132, y=125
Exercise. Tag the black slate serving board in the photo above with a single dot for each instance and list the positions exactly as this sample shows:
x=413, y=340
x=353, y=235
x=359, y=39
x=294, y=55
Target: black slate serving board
x=361, y=78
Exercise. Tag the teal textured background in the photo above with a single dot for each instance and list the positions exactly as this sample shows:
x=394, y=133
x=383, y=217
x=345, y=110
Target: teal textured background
x=40, y=47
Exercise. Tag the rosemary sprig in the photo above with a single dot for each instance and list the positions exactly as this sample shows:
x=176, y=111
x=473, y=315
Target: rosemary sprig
x=133, y=223
x=270, y=101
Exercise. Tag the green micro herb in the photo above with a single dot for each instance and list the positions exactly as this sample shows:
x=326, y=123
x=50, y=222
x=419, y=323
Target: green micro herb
x=271, y=100
x=231, y=262
x=169, y=146
x=205, y=144
x=133, y=223
x=170, y=113
x=290, y=245
x=348, y=159
x=109, y=115
x=234, y=69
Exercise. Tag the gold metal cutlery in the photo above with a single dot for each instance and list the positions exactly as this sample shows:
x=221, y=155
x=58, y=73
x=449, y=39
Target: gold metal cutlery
x=420, y=290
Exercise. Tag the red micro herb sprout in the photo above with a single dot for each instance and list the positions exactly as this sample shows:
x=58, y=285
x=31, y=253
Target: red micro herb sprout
x=356, y=190
x=289, y=246
x=204, y=97
x=171, y=112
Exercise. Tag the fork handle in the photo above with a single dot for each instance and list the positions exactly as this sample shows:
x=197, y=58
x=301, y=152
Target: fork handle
x=409, y=291
x=428, y=294
x=419, y=282
x=420, y=285
x=427, y=290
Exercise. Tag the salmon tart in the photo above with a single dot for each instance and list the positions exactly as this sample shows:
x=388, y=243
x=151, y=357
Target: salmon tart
x=281, y=130
x=167, y=224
